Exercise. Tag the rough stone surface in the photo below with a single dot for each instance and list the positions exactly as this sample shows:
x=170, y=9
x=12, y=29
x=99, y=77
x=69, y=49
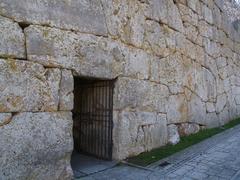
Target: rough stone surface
x=197, y=111
x=136, y=132
x=36, y=146
x=5, y=118
x=87, y=55
x=140, y=95
x=174, y=62
x=177, y=110
x=173, y=135
x=84, y=16
x=186, y=129
x=12, y=39
x=66, y=91
x=166, y=12
x=26, y=86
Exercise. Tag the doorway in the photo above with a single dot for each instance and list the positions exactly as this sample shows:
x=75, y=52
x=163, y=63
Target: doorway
x=92, y=117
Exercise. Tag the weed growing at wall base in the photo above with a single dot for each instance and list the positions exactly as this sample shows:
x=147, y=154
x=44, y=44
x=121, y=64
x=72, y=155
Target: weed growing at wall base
x=147, y=158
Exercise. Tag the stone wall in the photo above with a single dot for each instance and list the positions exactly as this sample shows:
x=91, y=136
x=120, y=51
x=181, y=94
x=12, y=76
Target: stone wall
x=176, y=62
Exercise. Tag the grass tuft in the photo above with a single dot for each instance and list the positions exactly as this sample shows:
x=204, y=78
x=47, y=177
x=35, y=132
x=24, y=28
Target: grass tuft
x=152, y=156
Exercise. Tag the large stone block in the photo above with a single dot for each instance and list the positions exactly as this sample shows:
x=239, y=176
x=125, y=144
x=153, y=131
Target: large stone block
x=186, y=129
x=221, y=62
x=27, y=86
x=197, y=111
x=207, y=14
x=138, y=64
x=155, y=38
x=66, y=91
x=87, y=55
x=221, y=103
x=205, y=29
x=85, y=16
x=136, y=132
x=226, y=24
x=212, y=48
x=36, y=146
x=194, y=5
x=165, y=12
x=141, y=95
x=237, y=100
x=210, y=107
x=172, y=70
x=12, y=44
x=232, y=106
x=125, y=19
x=187, y=14
x=224, y=116
x=217, y=17
x=177, y=109
x=212, y=120
x=191, y=32
x=161, y=40
x=173, y=135
x=203, y=83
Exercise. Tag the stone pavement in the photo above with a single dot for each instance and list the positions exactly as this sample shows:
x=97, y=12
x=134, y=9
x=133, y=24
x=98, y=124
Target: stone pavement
x=83, y=165
x=215, y=158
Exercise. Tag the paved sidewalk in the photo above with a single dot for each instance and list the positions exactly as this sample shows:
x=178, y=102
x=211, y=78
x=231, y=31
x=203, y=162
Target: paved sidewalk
x=215, y=158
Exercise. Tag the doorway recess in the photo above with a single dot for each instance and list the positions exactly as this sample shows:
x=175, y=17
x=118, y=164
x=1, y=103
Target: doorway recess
x=92, y=117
